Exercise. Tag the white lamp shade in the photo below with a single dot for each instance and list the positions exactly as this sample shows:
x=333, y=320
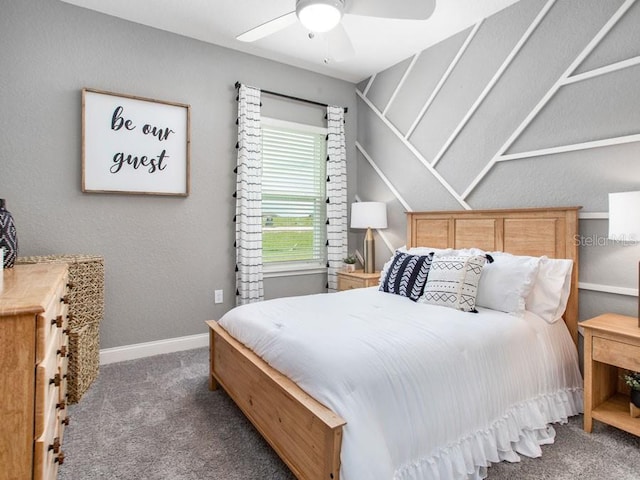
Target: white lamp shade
x=319, y=15
x=368, y=215
x=624, y=216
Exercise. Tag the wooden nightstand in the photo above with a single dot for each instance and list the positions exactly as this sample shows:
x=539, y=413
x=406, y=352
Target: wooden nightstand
x=610, y=342
x=357, y=279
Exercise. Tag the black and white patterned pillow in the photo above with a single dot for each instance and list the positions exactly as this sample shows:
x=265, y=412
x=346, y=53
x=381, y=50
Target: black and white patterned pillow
x=453, y=282
x=407, y=275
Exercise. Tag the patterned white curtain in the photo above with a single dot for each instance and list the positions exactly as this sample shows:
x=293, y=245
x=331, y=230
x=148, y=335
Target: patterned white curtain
x=337, y=246
x=249, y=279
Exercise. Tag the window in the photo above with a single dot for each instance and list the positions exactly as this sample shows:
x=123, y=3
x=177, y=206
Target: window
x=293, y=195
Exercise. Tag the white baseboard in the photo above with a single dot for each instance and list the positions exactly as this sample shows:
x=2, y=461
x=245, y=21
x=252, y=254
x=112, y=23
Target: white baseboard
x=148, y=349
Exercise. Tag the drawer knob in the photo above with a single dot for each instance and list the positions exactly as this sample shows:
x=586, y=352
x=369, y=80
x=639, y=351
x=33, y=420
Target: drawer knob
x=55, y=446
x=63, y=351
x=66, y=421
x=57, y=321
x=65, y=299
x=55, y=380
x=62, y=405
x=60, y=458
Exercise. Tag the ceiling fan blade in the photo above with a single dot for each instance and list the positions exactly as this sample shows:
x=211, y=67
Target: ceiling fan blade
x=339, y=45
x=401, y=9
x=268, y=28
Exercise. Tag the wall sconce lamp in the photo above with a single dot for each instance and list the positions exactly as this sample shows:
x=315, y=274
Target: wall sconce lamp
x=624, y=221
x=369, y=215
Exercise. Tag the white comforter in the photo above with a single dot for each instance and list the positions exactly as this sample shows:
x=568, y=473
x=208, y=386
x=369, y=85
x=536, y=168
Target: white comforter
x=427, y=392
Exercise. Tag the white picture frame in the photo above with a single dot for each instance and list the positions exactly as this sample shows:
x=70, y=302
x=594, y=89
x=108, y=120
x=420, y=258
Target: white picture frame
x=134, y=145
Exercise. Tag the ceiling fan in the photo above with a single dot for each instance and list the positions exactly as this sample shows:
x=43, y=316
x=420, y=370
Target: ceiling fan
x=324, y=16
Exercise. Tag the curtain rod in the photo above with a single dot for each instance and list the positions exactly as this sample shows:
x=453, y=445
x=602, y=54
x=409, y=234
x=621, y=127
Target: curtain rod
x=297, y=99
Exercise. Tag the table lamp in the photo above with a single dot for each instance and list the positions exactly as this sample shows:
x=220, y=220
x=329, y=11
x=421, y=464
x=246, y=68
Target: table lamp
x=369, y=215
x=624, y=221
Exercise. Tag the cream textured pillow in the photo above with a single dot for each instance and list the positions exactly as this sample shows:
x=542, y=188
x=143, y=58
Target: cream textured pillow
x=453, y=281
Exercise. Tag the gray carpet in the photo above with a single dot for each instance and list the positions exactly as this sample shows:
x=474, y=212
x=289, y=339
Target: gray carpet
x=155, y=419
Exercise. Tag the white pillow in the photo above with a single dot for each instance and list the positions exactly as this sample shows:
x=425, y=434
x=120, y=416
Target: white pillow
x=550, y=294
x=506, y=283
x=427, y=250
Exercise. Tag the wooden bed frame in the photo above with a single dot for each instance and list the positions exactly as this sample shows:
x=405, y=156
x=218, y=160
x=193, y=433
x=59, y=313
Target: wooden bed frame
x=305, y=433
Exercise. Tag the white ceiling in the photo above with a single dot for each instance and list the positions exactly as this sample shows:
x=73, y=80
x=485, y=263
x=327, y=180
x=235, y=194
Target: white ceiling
x=379, y=43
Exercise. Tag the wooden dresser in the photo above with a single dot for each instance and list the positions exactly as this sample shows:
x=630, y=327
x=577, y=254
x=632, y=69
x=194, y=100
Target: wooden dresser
x=33, y=367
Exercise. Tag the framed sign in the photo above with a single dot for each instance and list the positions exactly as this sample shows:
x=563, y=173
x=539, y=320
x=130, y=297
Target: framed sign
x=134, y=145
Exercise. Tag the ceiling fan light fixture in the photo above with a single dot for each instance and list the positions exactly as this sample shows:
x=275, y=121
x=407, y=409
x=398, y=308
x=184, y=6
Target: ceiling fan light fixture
x=320, y=15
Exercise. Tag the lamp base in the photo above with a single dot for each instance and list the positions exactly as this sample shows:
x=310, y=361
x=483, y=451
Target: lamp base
x=369, y=252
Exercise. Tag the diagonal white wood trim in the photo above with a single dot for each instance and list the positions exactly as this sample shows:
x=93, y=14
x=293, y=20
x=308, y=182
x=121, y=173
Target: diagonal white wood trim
x=382, y=235
x=414, y=150
x=593, y=215
x=630, y=62
x=550, y=93
x=401, y=82
x=493, y=81
x=596, y=287
x=369, y=83
x=386, y=241
x=570, y=148
x=382, y=176
x=444, y=78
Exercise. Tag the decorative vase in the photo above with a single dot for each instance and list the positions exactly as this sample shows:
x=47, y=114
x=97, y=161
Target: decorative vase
x=349, y=267
x=635, y=397
x=8, y=237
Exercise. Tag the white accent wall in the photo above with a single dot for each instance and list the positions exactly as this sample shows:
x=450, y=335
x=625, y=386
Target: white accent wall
x=538, y=105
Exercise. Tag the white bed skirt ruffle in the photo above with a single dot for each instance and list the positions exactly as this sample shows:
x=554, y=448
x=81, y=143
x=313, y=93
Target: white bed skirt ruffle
x=522, y=430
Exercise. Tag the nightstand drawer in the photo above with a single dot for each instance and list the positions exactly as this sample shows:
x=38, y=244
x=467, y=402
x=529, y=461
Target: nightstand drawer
x=349, y=283
x=616, y=353
x=357, y=279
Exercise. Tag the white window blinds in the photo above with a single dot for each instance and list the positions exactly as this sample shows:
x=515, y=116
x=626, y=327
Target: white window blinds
x=293, y=194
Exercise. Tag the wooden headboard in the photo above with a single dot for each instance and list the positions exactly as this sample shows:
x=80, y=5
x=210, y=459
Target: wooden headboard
x=536, y=231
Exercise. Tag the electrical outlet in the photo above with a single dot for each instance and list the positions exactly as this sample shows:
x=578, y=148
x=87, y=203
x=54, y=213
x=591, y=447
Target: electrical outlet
x=218, y=296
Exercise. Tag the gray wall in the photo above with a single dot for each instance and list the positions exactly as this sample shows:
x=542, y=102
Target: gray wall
x=602, y=107
x=164, y=256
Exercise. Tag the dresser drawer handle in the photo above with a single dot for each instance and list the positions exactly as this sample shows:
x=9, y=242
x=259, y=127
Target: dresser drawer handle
x=60, y=458
x=55, y=380
x=65, y=299
x=62, y=405
x=66, y=421
x=63, y=351
x=55, y=446
x=57, y=321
